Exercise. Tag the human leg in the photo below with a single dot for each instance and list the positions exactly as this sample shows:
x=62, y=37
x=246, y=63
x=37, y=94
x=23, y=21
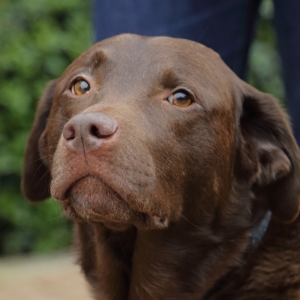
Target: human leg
x=287, y=24
x=225, y=26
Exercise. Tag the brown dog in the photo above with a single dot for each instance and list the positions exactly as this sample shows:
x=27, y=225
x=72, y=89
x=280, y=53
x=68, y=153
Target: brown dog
x=166, y=161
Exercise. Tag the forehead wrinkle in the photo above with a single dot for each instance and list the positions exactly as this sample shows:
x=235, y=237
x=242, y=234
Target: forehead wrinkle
x=169, y=80
x=97, y=59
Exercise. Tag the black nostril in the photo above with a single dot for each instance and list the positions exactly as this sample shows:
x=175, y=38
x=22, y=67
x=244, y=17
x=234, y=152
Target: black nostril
x=95, y=132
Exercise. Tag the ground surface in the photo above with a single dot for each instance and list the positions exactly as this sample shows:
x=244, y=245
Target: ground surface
x=54, y=277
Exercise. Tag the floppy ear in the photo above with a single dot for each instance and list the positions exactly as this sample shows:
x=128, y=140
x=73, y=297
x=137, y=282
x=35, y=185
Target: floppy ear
x=36, y=177
x=269, y=153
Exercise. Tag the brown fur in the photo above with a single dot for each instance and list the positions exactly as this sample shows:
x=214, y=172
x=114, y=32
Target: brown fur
x=164, y=207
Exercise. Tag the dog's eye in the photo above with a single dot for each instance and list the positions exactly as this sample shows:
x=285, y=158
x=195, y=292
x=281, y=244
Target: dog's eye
x=180, y=99
x=80, y=87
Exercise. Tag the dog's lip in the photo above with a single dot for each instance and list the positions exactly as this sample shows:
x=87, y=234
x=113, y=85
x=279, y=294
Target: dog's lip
x=151, y=221
x=68, y=187
x=102, y=181
x=59, y=188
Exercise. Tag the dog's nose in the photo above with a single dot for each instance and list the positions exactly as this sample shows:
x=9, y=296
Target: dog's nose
x=88, y=131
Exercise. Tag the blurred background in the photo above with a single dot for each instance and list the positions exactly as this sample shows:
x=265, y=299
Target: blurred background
x=38, y=39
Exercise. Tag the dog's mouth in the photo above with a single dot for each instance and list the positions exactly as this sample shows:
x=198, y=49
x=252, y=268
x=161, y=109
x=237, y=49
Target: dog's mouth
x=110, y=187
x=91, y=199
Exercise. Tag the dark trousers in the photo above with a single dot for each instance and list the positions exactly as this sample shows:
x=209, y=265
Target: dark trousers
x=223, y=25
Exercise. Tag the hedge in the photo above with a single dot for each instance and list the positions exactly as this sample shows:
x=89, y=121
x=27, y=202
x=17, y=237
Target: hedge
x=38, y=39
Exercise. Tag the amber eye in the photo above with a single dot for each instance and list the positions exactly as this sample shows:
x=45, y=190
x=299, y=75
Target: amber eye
x=180, y=99
x=80, y=87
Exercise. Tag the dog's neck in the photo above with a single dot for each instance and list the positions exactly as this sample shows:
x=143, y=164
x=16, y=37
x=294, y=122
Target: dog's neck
x=175, y=263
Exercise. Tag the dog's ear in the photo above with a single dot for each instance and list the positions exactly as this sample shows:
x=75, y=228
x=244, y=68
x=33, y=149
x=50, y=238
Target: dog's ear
x=269, y=154
x=36, y=177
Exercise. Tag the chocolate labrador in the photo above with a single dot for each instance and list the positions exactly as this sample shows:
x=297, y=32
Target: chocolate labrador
x=169, y=165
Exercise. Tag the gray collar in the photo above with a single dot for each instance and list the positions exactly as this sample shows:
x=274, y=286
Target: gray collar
x=259, y=231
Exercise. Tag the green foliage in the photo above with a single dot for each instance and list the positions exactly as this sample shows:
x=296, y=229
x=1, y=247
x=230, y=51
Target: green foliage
x=38, y=39
x=264, y=62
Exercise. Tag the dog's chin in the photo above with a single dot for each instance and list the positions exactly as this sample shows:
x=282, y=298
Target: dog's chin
x=90, y=199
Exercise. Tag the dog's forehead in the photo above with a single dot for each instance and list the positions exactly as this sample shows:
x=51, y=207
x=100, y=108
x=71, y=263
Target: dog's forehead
x=135, y=65
x=136, y=46
x=133, y=53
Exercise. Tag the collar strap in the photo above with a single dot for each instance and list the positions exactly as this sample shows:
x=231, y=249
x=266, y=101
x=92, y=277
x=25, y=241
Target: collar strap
x=259, y=231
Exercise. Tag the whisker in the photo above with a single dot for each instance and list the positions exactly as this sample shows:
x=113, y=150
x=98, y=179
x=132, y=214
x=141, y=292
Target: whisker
x=186, y=219
x=62, y=120
x=41, y=158
x=46, y=173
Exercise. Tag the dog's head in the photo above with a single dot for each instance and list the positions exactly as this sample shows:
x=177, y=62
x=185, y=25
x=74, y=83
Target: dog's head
x=145, y=130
